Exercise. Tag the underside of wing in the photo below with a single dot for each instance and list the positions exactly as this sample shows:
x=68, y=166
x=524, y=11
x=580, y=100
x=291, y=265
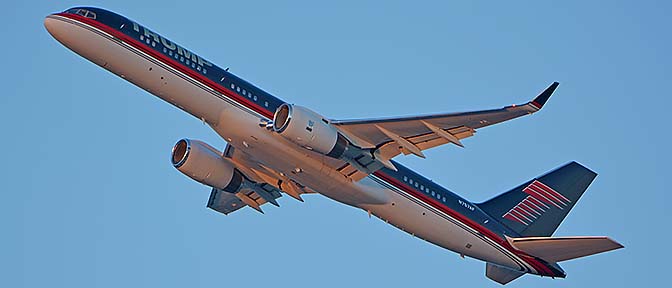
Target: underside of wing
x=412, y=135
x=262, y=185
x=225, y=202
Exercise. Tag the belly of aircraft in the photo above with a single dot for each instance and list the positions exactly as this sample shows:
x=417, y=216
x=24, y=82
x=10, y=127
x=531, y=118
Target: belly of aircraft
x=423, y=221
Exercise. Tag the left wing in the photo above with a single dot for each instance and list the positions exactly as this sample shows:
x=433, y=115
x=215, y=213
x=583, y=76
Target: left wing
x=225, y=202
x=262, y=185
x=411, y=135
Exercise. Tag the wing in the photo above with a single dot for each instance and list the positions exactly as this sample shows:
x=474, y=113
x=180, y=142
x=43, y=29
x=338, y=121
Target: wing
x=225, y=202
x=264, y=185
x=411, y=135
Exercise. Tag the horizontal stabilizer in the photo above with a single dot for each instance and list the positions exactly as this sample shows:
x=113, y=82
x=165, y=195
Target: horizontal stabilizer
x=556, y=249
x=500, y=274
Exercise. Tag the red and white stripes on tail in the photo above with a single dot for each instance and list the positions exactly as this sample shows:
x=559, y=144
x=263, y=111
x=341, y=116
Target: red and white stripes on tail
x=540, y=196
x=542, y=192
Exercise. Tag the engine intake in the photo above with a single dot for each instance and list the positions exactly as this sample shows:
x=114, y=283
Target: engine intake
x=205, y=164
x=309, y=130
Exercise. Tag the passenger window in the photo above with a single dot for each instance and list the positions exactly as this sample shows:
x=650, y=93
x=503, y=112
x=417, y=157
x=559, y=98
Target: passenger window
x=255, y=98
x=233, y=86
x=433, y=194
x=405, y=179
x=244, y=92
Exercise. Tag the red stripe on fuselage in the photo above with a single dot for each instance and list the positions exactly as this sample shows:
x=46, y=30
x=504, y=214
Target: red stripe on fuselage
x=171, y=62
x=540, y=267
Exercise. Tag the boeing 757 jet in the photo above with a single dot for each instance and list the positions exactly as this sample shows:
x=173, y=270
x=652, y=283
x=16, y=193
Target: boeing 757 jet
x=276, y=148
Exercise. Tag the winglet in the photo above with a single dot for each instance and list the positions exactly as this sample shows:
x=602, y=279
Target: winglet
x=540, y=100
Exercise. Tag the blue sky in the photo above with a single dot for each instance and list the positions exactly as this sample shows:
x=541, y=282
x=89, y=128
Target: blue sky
x=90, y=198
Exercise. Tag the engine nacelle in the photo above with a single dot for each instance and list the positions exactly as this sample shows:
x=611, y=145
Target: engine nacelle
x=206, y=165
x=309, y=130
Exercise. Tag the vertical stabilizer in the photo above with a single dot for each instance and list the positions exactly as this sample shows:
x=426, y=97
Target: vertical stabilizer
x=537, y=207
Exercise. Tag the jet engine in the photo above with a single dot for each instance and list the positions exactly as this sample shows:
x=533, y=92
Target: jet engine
x=206, y=165
x=309, y=130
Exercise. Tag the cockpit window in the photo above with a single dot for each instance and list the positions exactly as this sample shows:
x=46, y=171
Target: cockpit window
x=83, y=12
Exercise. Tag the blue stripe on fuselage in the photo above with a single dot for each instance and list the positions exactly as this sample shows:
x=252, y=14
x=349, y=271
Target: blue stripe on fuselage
x=255, y=98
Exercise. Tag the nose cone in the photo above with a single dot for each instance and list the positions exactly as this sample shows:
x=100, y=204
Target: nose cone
x=55, y=27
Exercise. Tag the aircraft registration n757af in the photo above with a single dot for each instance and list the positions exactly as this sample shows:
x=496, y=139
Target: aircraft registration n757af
x=348, y=161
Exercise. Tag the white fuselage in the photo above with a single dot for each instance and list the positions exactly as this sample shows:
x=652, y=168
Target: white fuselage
x=239, y=126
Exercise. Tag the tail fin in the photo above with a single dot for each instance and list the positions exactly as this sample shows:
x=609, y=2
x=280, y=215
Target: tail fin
x=537, y=207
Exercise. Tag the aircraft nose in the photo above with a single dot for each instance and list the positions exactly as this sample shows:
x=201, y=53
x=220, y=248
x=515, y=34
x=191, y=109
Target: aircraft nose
x=55, y=27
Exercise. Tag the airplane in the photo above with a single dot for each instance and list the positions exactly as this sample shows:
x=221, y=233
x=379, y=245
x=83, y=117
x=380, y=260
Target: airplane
x=275, y=148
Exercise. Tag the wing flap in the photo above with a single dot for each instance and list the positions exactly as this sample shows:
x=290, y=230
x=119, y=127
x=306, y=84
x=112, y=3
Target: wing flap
x=556, y=249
